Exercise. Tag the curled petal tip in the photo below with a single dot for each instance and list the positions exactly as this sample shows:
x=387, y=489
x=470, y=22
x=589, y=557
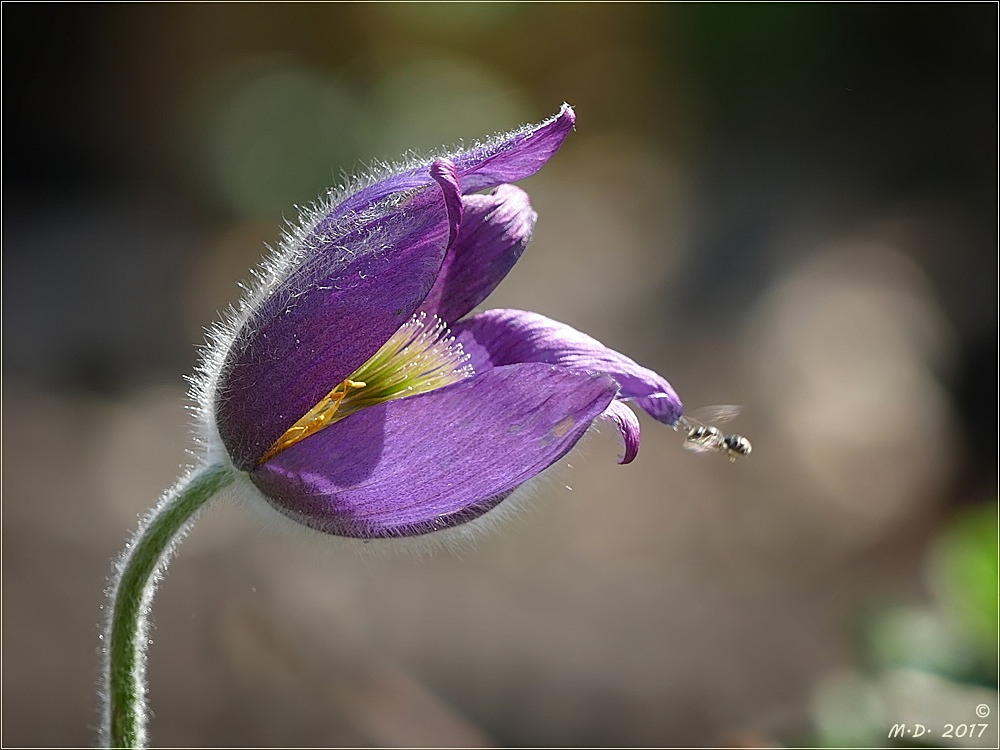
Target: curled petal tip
x=628, y=425
x=445, y=174
x=444, y=169
x=567, y=115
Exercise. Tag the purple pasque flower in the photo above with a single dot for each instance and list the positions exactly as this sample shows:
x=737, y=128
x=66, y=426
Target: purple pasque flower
x=340, y=390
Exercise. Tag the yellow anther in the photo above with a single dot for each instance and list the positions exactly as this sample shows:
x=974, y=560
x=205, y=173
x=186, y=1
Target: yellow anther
x=315, y=419
x=419, y=357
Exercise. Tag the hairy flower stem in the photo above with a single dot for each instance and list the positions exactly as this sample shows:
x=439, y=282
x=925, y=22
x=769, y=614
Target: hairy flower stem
x=135, y=576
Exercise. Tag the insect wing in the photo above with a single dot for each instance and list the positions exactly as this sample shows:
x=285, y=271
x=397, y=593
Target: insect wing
x=701, y=445
x=718, y=414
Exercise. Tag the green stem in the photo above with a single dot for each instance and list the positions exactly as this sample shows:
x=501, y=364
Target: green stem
x=135, y=577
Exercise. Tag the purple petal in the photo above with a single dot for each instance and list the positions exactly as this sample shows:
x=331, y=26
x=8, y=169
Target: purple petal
x=443, y=172
x=508, y=158
x=428, y=462
x=628, y=425
x=517, y=156
x=354, y=287
x=495, y=230
x=504, y=337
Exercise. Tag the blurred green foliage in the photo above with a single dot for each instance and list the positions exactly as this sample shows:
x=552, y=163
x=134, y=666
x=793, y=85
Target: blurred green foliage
x=929, y=665
x=964, y=573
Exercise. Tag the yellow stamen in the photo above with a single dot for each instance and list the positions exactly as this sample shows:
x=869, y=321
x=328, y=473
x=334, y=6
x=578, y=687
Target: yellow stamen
x=314, y=420
x=421, y=356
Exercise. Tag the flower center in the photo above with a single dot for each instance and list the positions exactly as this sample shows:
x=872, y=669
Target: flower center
x=421, y=356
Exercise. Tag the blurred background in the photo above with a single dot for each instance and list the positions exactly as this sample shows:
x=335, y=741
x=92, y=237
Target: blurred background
x=788, y=207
